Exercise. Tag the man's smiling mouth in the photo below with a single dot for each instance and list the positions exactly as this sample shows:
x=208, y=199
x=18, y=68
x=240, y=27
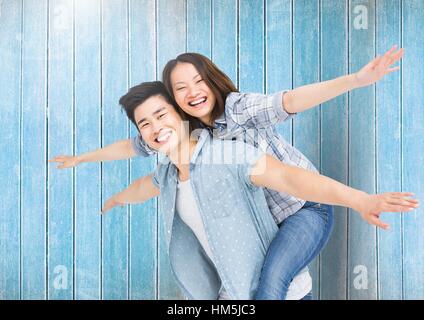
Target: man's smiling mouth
x=164, y=136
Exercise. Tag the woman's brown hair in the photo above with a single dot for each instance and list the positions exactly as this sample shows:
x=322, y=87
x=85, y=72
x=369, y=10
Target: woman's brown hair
x=219, y=83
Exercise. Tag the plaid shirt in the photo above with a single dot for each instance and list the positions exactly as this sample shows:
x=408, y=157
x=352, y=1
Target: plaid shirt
x=252, y=117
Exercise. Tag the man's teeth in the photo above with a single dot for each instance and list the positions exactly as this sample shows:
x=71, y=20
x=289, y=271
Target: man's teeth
x=164, y=137
x=194, y=103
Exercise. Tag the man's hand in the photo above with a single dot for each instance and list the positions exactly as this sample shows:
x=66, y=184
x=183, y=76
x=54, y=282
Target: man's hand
x=113, y=202
x=373, y=206
x=378, y=68
x=66, y=161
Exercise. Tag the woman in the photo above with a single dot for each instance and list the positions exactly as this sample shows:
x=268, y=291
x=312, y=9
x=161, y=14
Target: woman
x=216, y=249
x=210, y=99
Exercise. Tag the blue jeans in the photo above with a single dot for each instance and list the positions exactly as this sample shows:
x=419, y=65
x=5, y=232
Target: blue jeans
x=299, y=240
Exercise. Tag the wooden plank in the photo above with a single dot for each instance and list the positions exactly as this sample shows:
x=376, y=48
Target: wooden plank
x=87, y=137
x=10, y=143
x=225, y=37
x=362, y=267
x=251, y=50
x=388, y=110
x=334, y=144
x=278, y=49
x=199, y=26
x=413, y=145
x=60, y=141
x=115, y=127
x=143, y=225
x=171, y=34
x=306, y=70
x=34, y=147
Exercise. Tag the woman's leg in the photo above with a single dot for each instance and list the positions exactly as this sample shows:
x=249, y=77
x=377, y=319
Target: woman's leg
x=299, y=240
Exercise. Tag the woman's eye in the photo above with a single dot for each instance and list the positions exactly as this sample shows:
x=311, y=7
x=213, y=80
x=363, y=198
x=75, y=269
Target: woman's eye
x=144, y=125
x=199, y=81
x=163, y=114
x=180, y=88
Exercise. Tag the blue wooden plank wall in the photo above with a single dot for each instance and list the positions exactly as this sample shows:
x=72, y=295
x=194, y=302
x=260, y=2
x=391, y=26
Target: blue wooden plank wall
x=64, y=65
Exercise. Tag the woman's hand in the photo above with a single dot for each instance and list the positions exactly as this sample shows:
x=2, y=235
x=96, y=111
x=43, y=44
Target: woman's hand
x=66, y=161
x=113, y=202
x=378, y=68
x=373, y=205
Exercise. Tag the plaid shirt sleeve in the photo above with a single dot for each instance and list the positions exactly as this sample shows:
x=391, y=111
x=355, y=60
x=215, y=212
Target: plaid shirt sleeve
x=141, y=148
x=256, y=110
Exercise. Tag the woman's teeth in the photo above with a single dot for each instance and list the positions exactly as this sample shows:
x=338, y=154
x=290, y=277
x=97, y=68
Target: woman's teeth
x=197, y=102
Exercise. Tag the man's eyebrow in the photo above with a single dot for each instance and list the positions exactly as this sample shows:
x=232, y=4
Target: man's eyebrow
x=156, y=112
x=192, y=79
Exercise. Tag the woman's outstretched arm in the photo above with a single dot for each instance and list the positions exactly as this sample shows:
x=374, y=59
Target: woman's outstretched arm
x=119, y=150
x=308, y=96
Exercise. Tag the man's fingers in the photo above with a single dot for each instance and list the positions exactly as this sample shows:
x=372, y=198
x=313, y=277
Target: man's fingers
x=108, y=205
x=403, y=201
x=379, y=223
x=402, y=194
x=398, y=208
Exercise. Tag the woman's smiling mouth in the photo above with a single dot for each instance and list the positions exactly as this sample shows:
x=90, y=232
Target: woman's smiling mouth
x=198, y=103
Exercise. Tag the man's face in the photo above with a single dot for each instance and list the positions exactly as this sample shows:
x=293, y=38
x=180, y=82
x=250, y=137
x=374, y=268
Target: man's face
x=159, y=124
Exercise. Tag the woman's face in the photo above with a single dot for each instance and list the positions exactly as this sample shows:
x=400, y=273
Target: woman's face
x=191, y=92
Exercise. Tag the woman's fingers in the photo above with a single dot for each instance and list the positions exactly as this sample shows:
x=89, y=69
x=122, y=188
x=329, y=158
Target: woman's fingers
x=389, y=58
x=57, y=159
x=64, y=161
x=390, y=70
x=60, y=158
x=375, y=62
x=395, y=57
x=387, y=55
